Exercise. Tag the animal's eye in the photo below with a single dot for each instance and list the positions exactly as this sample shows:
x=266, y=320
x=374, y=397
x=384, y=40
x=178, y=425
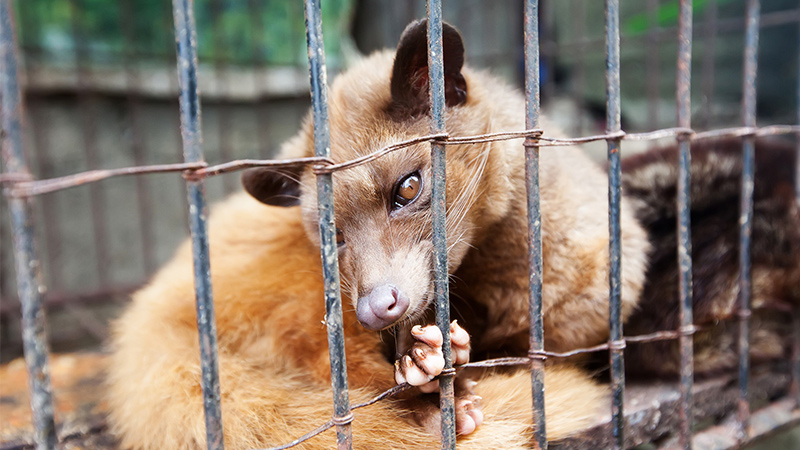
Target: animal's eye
x=339, y=238
x=407, y=190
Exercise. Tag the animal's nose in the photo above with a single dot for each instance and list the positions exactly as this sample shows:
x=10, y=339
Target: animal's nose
x=382, y=307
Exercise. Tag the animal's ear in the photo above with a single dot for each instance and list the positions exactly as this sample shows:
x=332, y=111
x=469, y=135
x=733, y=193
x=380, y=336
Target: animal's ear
x=410, y=71
x=276, y=187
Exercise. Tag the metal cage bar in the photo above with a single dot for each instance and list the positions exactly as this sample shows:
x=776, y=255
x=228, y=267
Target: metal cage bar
x=327, y=227
x=532, y=103
x=795, y=390
x=746, y=210
x=29, y=285
x=684, y=119
x=441, y=287
x=191, y=133
x=613, y=120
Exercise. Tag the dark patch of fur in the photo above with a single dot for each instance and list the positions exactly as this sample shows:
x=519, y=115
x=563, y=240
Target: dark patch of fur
x=276, y=187
x=715, y=195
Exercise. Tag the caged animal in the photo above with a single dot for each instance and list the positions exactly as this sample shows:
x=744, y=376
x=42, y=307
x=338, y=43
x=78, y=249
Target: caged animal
x=273, y=356
x=650, y=181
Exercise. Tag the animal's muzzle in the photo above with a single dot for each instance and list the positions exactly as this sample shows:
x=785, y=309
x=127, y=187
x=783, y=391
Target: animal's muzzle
x=382, y=307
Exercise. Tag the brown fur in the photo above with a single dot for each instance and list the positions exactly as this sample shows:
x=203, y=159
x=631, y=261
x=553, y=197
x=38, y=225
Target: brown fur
x=487, y=246
x=268, y=291
x=273, y=356
x=650, y=180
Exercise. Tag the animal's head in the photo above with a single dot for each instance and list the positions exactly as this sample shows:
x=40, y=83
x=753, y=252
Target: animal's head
x=382, y=208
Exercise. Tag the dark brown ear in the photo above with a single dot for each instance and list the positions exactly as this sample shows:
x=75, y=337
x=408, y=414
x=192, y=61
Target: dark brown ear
x=410, y=71
x=276, y=187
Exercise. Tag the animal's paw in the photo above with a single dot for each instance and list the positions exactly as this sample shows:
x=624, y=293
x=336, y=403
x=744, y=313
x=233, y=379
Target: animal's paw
x=468, y=408
x=424, y=361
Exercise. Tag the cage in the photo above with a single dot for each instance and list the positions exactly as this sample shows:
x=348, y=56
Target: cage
x=97, y=76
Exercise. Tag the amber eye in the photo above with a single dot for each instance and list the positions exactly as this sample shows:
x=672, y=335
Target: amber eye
x=407, y=190
x=339, y=237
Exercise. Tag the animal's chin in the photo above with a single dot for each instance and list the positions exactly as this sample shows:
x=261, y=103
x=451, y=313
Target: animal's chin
x=420, y=311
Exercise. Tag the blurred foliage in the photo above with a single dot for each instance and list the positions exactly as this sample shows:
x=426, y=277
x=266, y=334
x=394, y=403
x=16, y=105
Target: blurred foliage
x=238, y=32
x=666, y=16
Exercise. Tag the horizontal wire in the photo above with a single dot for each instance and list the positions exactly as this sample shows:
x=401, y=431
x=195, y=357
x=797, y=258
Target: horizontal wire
x=23, y=184
x=497, y=362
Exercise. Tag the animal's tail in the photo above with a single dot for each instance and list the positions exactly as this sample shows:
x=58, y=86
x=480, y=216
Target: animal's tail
x=650, y=180
x=156, y=403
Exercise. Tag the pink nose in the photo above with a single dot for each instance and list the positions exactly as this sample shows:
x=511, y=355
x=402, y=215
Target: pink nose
x=382, y=307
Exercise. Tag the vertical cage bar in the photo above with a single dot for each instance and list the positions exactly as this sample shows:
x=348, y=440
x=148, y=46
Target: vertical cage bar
x=29, y=284
x=795, y=387
x=532, y=102
x=613, y=119
x=192, y=137
x=441, y=287
x=174, y=86
x=327, y=227
x=683, y=100
x=746, y=210
x=796, y=312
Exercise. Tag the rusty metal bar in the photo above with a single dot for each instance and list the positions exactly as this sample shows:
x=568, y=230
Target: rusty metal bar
x=795, y=390
x=171, y=57
x=684, y=112
x=441, y=289
x=342, y=416
x=613, y=120
x=191, y=133
x=746, y=211
x=532, y=102
x=29, y=282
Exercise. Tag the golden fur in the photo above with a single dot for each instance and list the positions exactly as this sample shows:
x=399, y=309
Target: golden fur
x=487, y=218
x=268, y=294
x=273, y=358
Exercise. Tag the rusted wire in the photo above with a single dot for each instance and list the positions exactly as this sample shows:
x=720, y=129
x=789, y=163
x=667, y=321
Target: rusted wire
x=24, y=185
x=496, y=362
x=32, y=188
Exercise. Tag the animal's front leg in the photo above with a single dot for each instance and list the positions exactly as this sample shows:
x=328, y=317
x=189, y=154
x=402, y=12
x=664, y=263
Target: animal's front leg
x=424, y=361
